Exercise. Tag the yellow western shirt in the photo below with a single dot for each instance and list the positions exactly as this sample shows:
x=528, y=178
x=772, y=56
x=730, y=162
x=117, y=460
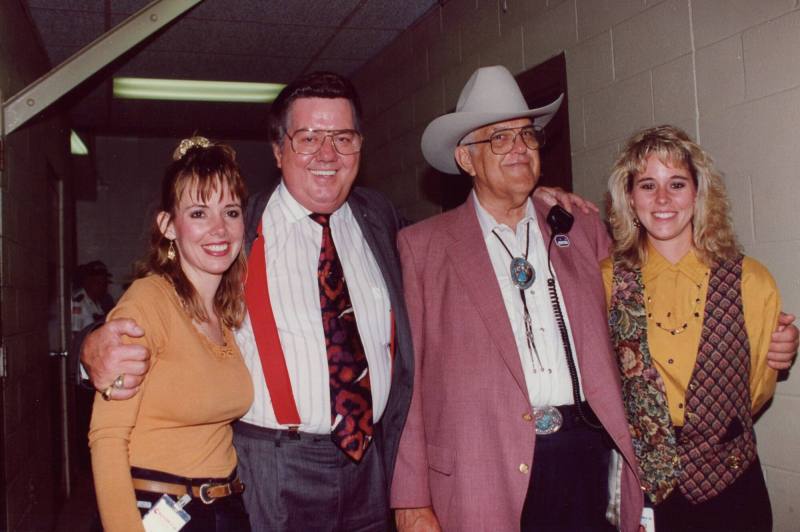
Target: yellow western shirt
x=671, y=294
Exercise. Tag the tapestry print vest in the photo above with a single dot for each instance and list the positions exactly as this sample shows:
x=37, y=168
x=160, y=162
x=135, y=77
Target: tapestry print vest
x=717, y=442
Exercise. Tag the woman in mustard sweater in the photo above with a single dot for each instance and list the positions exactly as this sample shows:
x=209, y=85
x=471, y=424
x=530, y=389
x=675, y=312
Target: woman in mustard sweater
x=691, y=320
x=174, y=436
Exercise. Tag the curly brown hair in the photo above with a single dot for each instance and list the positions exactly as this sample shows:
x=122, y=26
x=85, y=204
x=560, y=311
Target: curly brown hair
x=713, y=237
x=206, y=170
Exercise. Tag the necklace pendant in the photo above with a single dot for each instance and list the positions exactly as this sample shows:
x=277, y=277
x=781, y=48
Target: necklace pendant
x=522, y=273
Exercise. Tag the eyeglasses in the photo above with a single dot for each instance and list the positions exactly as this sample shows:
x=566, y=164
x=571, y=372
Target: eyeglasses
x=309, y=141
x=502, y=141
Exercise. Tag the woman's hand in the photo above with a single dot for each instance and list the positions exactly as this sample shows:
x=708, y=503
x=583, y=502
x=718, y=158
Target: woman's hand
x=783, y=346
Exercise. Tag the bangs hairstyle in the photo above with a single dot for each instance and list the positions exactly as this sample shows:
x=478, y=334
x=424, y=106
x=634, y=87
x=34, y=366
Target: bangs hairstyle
x=713, y=237
x=201, y=171
x=313, y=85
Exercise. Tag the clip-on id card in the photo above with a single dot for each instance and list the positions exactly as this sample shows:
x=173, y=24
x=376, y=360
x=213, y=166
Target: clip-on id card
x=167, y=515
x=648, y=522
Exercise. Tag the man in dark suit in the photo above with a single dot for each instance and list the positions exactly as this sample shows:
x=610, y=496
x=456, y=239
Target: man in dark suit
x=327, y=339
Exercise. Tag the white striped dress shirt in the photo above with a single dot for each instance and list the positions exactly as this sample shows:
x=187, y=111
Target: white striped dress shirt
x=553, y=386
x=292, y=247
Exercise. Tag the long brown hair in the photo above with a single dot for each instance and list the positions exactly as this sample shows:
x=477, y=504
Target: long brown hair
x=713, y=237
x=206, y=168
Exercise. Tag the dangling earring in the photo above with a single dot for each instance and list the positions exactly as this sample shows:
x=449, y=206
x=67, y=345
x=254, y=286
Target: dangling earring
x=171, y=251
x=636, y=223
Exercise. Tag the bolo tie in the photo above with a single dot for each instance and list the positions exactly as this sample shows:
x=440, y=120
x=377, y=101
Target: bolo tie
x=522, y=276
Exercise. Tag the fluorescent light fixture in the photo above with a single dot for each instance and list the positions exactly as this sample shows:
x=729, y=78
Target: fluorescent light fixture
x=76, y=145
x=195, y=90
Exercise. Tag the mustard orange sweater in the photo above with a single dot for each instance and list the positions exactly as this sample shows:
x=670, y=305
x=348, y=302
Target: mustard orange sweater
x=179, y=422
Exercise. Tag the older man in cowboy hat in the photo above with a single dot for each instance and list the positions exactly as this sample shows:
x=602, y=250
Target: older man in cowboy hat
x=516, y=417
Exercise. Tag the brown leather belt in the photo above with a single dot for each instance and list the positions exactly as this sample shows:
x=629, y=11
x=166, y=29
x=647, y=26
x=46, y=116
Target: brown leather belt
x=207, y=493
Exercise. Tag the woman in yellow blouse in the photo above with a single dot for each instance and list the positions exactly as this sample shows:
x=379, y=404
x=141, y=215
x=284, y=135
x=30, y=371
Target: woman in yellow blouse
x=691, y=320
x=174, y=437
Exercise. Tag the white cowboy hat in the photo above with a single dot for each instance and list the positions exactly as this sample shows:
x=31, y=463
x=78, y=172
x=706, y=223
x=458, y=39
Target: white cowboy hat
x=491, y=95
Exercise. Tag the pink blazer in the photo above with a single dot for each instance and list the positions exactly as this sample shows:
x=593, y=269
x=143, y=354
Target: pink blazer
x=465, y=440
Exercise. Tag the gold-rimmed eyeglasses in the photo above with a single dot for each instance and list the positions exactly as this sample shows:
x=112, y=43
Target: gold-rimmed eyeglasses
x=502, y=141
x=309, y=141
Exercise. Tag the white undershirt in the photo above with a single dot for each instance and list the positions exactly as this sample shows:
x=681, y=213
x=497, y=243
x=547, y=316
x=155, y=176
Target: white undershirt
x=551, y=387
x=292, y=247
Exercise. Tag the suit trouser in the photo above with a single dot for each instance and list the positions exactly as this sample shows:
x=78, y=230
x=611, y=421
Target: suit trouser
x=305, y=482
x=568, y=490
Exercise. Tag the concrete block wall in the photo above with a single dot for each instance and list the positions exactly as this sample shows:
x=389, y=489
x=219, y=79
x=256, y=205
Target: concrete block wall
x=34, y=154
x=727, y=71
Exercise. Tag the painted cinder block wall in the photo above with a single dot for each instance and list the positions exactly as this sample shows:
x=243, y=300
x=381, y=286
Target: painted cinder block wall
x=29, y=454
x=727, y=71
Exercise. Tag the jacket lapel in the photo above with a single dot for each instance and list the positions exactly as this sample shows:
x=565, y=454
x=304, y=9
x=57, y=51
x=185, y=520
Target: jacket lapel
x=379, y=243
x=254, y=212
x=470, y=260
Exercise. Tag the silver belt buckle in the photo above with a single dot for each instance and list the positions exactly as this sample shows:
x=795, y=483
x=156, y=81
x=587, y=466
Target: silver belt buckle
x=547, y=420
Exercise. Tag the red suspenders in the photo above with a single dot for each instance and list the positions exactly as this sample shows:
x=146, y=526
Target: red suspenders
x=273, y=363
x=262, y=320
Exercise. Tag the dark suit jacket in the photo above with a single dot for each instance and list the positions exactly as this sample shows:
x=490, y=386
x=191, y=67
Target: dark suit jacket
x=468, y=444
x=379, y=222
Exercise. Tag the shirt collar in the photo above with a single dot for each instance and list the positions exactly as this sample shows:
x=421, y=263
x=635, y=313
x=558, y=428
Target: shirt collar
x=489, y=224
x=295, y=212
x=689, y=265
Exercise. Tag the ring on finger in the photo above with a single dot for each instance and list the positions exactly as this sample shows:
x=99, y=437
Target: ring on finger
x=107, y=393
x=119, y=382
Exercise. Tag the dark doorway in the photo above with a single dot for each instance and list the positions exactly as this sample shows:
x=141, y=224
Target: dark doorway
x=540, y=85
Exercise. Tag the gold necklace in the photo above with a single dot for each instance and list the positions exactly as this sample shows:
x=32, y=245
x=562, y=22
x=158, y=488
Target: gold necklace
x=677, y=330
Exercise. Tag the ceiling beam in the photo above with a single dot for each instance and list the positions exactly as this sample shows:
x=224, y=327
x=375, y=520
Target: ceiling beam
x=40, y=94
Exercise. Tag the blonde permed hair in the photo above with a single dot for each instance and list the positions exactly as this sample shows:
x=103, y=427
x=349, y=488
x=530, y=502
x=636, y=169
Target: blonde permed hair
x=713, y=237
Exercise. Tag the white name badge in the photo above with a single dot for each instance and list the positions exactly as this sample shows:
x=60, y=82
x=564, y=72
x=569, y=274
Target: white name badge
x=167, y=515
x=648, y=522
x=562, y=241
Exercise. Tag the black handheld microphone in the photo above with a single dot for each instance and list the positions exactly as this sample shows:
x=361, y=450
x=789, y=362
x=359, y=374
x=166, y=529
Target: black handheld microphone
x=559, y=220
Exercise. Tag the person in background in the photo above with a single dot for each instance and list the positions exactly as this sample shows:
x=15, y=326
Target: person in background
x=174, y=437
x=91, y=300
x=690, y=319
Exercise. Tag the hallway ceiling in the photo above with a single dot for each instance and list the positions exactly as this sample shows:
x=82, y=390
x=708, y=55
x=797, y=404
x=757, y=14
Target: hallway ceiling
x=229, y=40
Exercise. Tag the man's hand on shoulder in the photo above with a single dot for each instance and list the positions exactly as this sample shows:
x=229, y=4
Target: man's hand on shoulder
x=556, y=195
x=783, y=346
x=416, y=520
x=105, y=358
